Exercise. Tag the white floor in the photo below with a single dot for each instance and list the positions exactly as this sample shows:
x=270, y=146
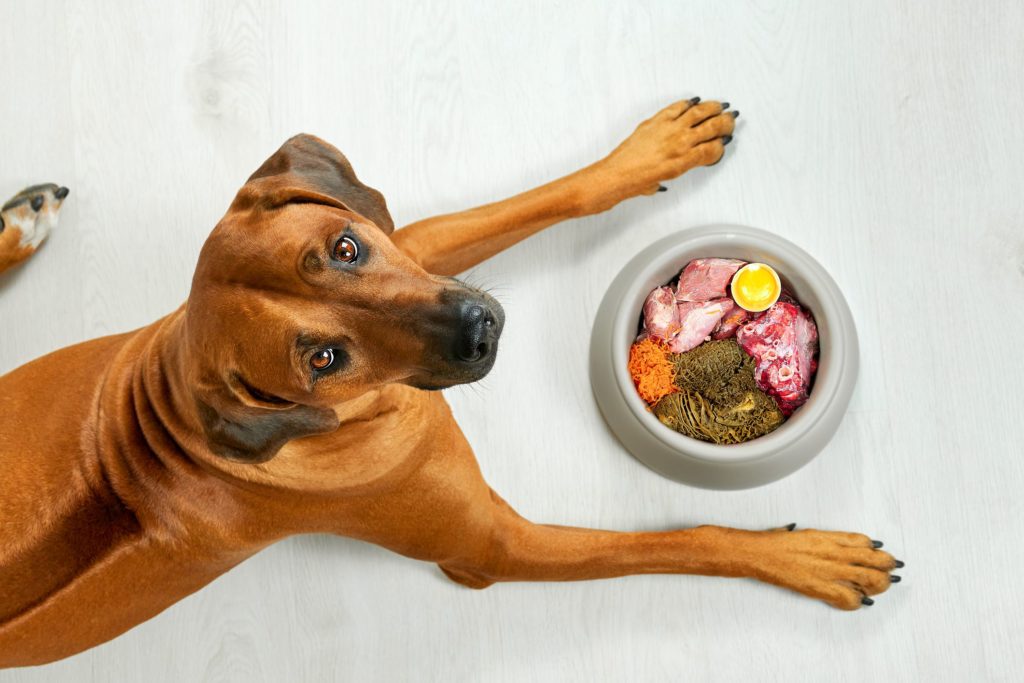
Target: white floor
x=884, y=138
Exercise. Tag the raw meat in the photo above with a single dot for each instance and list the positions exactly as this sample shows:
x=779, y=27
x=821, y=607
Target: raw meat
x=784, y=342
x=661, y=317
x=730, y=322
x=706, y=278
x=697, y=320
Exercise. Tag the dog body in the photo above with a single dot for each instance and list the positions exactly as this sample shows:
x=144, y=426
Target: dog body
x=109, y=523
x=296, y=391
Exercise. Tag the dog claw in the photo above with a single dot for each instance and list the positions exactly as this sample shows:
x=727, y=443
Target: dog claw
x=725, y=105
x=726, y=139
x=735, y=114
x=662, y=188
x=900, y=564
x=790, y=527
x=876, y=544
x=867, y=601
x=694, y=100
x=894, y=578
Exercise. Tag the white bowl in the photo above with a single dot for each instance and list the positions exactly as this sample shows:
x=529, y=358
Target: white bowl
x=699, y=463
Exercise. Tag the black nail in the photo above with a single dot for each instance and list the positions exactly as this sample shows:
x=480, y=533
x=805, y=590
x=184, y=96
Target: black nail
x=867, y=601
x=726, y=139
x=37, y=202
x=790, y=527
x=876, y=544
x=893, y=578
x=725, y=105
x=61, y=192
x=694, y=100
x=662, y=188
x=735, y=114
x=899, y=564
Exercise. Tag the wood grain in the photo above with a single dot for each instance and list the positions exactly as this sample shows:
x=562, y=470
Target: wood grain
x=882, y=137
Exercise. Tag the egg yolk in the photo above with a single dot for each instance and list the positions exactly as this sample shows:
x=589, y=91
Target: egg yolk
x=755, y=287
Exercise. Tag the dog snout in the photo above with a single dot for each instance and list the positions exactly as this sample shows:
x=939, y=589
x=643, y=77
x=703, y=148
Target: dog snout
x=480, y=323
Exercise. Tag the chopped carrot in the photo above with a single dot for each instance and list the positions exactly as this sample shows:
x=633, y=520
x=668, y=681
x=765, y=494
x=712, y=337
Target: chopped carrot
x=652, y=372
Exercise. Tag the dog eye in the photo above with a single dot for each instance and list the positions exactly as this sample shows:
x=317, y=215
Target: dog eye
x=346, y=250
x=322, y=360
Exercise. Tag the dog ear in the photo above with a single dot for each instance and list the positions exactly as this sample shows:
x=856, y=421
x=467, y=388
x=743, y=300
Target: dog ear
x=252, y=434
x=307, y=169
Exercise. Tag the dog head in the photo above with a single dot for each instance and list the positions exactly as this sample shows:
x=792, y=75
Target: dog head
x=301, y=301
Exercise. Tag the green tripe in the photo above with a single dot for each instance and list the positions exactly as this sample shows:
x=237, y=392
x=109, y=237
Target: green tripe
x=718, y=399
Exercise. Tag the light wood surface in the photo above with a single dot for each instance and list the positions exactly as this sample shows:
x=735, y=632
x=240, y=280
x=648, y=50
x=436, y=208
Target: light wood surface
x=883, y=137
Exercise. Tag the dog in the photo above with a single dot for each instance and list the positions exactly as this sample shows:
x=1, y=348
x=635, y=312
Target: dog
x=298, y=390
x=26, y=221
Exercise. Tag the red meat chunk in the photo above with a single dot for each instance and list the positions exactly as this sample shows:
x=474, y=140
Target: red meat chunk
x=661, y=317
x=730, y=322
x=697, y=320
x=704, y=279
x=784, y=342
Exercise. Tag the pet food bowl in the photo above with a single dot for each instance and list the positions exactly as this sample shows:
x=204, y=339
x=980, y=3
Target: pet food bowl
x=689, y=460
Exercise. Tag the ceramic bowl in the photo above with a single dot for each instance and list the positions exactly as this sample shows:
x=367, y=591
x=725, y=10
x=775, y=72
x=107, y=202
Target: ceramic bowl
x=695, y=462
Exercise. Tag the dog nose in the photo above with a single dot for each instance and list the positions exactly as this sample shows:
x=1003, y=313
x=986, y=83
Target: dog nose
x=61, y=192
x=478, y=332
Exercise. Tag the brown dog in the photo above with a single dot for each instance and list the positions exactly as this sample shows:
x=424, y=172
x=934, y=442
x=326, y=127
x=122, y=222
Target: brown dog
x=294, y=392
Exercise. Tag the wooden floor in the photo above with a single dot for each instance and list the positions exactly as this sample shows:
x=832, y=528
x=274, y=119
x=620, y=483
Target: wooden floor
x=885, y=138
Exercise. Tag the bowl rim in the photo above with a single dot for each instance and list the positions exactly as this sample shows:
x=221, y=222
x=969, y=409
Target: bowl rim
x=834, y=329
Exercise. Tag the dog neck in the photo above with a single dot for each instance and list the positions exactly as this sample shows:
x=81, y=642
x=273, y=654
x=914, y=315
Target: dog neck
x=153, y=446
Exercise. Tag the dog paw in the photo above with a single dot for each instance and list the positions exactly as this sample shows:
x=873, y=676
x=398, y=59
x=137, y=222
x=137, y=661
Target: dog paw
x=680, y=137
x=26, y=220
x=842, y=569
x=33, y=212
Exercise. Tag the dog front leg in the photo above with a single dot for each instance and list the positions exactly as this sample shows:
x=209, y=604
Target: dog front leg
x=11, y=250
x=841, y=569
x=680, y=137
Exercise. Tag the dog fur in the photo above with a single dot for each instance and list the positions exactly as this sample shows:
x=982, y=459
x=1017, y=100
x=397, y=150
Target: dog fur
x=26, y=221
x=139, y=467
